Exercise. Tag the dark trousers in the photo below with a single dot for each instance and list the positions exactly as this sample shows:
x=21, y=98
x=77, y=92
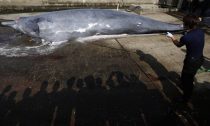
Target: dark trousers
x=187, y=77
x=187, y=85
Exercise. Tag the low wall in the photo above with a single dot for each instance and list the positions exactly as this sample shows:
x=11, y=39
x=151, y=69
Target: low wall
x=82, y=2
x=15, y=6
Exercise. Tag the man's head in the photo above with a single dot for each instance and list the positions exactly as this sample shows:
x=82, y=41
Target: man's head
x=190, y=21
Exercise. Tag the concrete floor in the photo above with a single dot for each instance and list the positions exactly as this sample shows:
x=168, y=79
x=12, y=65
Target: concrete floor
x=153, y=59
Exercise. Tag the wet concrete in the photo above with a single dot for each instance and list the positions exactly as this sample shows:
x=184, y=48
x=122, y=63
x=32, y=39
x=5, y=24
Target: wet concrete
x=153, y=61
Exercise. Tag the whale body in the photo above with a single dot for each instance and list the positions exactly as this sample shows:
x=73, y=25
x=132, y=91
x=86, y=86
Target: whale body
x=68, y=25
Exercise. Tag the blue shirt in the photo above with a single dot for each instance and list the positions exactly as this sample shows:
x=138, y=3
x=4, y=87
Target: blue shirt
x=194, y=42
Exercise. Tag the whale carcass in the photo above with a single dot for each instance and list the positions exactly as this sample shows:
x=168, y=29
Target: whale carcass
x=68, y=25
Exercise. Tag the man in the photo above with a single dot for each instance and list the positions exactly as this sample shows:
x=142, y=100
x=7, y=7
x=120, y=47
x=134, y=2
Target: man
x=194, y=42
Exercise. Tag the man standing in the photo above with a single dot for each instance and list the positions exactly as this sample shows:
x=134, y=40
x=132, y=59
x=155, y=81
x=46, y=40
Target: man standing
x=194, y=42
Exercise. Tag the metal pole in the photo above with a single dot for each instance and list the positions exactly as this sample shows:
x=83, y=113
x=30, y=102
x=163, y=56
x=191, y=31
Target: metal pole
x=169, y=3
x=179, y=6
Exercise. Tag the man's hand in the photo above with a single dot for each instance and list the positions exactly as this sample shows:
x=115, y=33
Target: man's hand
x=174, y=40
x=169, y=35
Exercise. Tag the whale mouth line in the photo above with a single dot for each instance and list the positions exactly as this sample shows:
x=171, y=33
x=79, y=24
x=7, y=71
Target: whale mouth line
x=100, y=37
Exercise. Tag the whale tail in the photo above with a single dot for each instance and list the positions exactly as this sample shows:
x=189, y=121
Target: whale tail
x=8, y=23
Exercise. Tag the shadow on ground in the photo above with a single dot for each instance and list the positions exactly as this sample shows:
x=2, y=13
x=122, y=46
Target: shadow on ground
x=122, y=101
x=169, y=79
x=170, y=83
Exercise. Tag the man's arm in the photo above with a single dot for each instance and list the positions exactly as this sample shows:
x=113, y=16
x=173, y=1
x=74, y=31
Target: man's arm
x=174, y=40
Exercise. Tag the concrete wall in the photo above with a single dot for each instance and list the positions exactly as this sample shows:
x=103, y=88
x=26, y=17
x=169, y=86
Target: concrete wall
x=44, y=2
x=168, y=2
x=21, y=2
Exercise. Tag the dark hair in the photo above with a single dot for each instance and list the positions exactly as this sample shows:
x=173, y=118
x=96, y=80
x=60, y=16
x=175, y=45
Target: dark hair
x=70, y=82
x=190, y=21
x=90, y=82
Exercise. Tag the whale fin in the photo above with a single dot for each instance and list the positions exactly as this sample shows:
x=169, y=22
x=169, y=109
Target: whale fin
x=8, y=23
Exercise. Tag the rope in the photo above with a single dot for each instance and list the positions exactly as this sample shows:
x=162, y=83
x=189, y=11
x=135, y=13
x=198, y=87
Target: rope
x=202, y=69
